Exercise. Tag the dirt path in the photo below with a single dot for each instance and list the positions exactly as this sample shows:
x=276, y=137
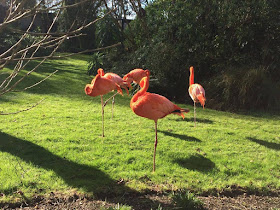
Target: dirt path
x=142, y=202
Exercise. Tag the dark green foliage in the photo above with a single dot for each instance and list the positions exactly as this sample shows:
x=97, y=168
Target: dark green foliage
x=74, y=17
x=107, y=33
x=9, y=38
x=95, y=63
x=244, y=88
x=219, y=38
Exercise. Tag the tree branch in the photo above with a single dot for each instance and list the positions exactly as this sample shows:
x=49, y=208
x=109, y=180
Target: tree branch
x=23, y=110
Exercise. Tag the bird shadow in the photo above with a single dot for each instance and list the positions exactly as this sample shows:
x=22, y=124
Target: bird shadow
x=199, y=120
x=196, y=163
x=180, y=136
x=270, y=145
x=89, y=178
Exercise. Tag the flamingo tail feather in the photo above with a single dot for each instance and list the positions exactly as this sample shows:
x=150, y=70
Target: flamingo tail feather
x=181, y=112
x=201, y=99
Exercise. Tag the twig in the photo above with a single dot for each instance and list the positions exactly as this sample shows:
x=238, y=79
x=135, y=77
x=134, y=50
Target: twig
x=86, y=51
x=71, y=54
x=23, y=109
x=36, y=83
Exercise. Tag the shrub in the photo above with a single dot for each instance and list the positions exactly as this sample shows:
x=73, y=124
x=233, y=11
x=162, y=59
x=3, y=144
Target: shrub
x=216, y=41
x=244, y=88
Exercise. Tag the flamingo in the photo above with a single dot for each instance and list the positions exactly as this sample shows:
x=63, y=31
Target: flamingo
x=196, y=92
x=136, y=75
x=115, y=78
x=154, y=107
x=100, y=86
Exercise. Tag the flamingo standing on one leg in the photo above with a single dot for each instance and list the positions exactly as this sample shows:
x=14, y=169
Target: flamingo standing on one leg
x=196, y=92
x=153, y=106
x=116, y=79
x=100, y=86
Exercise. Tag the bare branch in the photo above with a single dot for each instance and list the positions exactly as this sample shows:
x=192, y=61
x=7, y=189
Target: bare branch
x=71, y=54
x=38, y=82
x=24, y=50
x=21, y=38
x=23, y=110
x=66, y=34
x=86, y=51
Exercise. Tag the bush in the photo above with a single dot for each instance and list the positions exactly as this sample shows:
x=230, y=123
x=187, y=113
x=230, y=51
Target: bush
x=216, y=41
x=244, y=88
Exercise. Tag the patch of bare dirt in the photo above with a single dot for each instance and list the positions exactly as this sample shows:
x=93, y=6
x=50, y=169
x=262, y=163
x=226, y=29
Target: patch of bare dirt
x=241, y=202
x=147, y=201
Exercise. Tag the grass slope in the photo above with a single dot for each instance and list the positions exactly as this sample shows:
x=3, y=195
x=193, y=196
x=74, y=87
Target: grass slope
x=57, y=146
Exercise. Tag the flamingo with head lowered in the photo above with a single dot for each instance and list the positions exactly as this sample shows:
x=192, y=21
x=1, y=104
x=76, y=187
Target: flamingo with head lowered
x=196, y=92
x=116, y=79
x=136, y=75
x=100, y=86
x=154, y=107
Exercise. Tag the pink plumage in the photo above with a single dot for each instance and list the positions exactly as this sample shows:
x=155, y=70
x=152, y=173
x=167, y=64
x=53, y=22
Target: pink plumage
x=136, y=75
x=101, y=86
x=196, y=92
x=153, y=106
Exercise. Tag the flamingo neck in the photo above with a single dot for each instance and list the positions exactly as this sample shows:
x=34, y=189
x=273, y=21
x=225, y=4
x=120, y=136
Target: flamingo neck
x=100, y=72
x=144, y=84
x=191, y=76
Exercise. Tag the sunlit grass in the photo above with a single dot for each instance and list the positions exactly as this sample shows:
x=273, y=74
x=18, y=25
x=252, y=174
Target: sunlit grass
x=57, y=146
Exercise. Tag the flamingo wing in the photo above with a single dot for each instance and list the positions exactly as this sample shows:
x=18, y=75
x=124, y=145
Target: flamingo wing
x=153, y=106
x=197, y=93
x=135, y=75
x=101, y=86
x=114, y=77
x=195, y=90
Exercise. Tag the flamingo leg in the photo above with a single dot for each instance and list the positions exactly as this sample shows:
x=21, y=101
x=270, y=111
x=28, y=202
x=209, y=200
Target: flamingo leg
x=154, y=165
x=110, y=98
x=113, y=102
x=194, y=114
x=102, y=110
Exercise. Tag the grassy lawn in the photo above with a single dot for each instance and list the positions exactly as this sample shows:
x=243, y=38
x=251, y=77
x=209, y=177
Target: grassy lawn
x=57, y=146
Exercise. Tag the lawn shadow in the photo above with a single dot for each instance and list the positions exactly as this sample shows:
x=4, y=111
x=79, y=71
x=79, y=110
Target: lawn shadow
x=180, y=136
x=198, y=120
x=76, y=175
x=196, y=163
x=270, y=145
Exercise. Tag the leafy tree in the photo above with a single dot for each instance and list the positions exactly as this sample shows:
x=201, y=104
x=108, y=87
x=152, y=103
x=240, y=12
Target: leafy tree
x=216, y=37
x=73, y=17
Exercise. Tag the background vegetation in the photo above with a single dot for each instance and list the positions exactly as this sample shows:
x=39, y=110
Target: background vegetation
x=234, y=47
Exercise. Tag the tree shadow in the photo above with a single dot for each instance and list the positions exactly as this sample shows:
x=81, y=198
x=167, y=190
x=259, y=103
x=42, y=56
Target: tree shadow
x=180, y=136
x=197, y=163
x=270, y=145
x=76, y=175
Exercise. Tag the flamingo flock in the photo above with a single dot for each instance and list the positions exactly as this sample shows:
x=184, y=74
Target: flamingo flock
x=144, y=104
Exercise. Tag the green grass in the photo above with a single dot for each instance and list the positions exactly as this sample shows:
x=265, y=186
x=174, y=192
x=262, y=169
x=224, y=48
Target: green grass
x=57, y=146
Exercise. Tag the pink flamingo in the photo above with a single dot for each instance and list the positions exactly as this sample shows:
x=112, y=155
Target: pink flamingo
x=136, y=75
x=154, y=107
x=116, y=79
x=196, y=92
x=100, y=86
